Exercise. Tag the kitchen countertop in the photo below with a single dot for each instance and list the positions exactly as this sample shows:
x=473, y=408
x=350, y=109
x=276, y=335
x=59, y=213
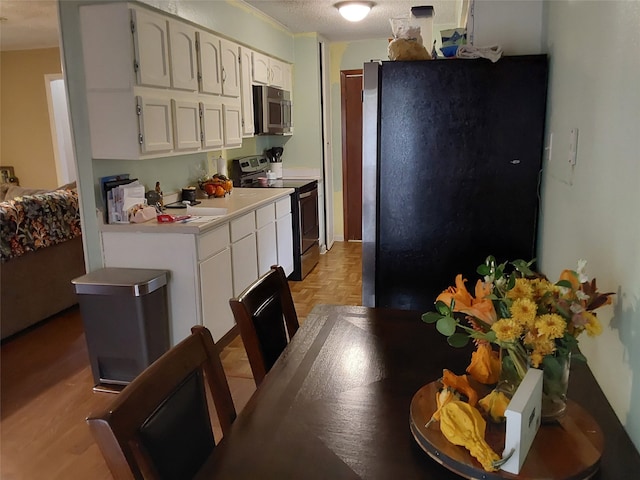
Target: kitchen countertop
x=239, y=202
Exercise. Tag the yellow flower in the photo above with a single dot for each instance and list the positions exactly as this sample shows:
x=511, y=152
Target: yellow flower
x=507, y=330
x=536, y=358
x=592, y=326
x=551, y=325
x=542, y=347
x=542, y=287
x=522, y=289
x=524, y=311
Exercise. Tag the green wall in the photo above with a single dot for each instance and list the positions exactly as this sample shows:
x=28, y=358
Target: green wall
x=346, y=56
x=590, y=210
x=228, y=18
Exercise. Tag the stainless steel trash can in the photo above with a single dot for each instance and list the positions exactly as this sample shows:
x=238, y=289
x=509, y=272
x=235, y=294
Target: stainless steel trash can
x=126, y=322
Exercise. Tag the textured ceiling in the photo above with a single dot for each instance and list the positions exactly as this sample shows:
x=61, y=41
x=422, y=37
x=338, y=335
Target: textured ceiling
x=29, y=24
x=34, y=23
x=321, y=16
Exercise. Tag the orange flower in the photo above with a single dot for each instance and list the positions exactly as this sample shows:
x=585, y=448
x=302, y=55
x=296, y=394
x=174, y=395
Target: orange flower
x=485, y=365
x=571, y=277
x=480, y=307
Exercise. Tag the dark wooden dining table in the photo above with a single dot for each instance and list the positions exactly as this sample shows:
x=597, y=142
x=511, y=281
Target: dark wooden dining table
x=336, y=404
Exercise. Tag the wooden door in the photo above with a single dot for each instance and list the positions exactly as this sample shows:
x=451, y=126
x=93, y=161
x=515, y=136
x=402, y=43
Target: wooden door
x=351, y=94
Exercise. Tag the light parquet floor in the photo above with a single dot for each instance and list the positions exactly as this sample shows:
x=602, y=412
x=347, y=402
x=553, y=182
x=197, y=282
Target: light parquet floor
x=46, y=381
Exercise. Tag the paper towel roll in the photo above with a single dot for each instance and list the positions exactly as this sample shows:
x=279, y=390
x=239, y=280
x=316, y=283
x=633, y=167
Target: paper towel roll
x=222, y=166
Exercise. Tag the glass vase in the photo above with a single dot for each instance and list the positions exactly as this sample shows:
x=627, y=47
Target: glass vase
x=515, y=363
x=555, y=382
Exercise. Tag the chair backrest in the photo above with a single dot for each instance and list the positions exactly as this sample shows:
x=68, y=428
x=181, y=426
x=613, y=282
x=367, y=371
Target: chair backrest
x=262, y=312
x=159, y=425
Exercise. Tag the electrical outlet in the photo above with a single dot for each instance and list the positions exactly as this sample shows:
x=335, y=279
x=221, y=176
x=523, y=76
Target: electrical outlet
x=573, y=146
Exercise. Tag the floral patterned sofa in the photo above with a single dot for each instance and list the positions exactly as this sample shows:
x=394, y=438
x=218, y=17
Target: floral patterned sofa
x=40, y=253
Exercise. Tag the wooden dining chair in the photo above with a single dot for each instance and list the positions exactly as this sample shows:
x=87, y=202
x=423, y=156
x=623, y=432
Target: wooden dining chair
x=159, y=426
x=267, y=319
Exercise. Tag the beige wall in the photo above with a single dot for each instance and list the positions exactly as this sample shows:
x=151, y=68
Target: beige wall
x=25, y=133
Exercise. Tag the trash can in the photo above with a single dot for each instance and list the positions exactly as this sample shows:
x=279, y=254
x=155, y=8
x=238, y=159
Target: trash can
x=126, y=322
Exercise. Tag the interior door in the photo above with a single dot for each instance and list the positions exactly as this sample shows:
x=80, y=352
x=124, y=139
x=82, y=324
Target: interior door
x=351, y=95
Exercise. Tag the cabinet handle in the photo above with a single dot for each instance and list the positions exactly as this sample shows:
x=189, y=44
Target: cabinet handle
x=305, y=195
x=224, y=75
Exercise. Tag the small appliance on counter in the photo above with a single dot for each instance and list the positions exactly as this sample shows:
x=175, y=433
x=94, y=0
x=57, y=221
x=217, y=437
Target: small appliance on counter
x=252, y=172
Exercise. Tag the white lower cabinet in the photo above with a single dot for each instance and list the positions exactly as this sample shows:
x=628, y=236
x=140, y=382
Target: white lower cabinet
x=266, y=238
x=216, y=281
x=284, y=235
x=243, y=252
x=205, y=269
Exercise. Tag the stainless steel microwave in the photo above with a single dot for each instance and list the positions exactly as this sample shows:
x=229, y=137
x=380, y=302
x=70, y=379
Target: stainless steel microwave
x=272, y=110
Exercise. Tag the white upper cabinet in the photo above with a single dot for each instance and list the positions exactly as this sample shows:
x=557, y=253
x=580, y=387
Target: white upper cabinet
x=209, y=63
x=276, y=73
x=246, y=93
x=150, y=40
x=212, y=124
x=232, y=125
x=154, y=115
x=183, y=57
x=186, y=123
x=230, y=69
x=269, y=71
x=260, y=68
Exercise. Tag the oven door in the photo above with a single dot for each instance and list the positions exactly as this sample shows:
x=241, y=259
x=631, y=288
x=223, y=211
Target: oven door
x=309, y=224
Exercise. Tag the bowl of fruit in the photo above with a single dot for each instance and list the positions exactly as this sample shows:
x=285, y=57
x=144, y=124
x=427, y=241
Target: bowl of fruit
x=217, y=186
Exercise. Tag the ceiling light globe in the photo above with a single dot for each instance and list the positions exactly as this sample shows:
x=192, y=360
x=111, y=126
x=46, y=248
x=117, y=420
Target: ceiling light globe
x=354, y=11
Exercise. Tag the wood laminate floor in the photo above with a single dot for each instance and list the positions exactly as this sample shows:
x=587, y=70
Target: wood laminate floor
x=46, y=381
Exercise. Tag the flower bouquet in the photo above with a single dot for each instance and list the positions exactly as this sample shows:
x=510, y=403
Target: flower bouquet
x=518, y=319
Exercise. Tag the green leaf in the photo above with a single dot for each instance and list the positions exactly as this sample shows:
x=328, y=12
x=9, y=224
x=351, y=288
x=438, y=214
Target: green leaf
x=564, y=283
x=442, y=308
x=511, y=283
x=483, y=270
x=523, y=267
x=431, y=317
x=458, y=340
x=446, y=326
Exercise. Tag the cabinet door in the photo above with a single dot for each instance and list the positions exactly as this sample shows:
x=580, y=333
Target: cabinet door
x=287, y=80
x=267, y=248
x=244, y=264
x=284, y=239
x=246, y=93
x=212, y=125
x=276, y=73
x=186, y=123
x=260, y=64
x=216, y=282
x=232, y=125
x=182, y=55
x=230, y=69
x=209, y=66
x=150, y=48
x=154, y=117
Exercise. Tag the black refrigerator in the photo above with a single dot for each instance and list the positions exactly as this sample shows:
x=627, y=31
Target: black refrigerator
x=452, y=158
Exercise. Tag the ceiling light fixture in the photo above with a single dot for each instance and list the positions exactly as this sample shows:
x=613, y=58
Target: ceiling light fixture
x=354, y=11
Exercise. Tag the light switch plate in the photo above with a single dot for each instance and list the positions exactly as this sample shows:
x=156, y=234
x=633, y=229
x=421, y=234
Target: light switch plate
x=523, y=420
x=573, y=146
